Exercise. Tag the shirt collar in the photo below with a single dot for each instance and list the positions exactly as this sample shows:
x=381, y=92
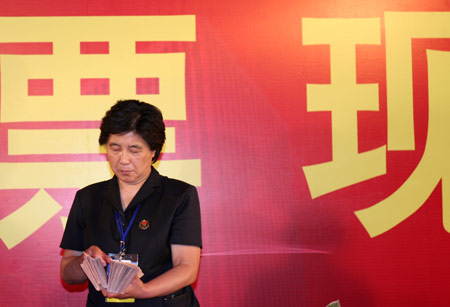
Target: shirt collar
x=112, y=192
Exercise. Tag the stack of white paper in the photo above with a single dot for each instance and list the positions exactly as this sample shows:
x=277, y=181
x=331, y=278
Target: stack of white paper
x=120, y=274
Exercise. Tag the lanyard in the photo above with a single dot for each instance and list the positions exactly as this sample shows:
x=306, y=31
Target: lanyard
x=123, y=235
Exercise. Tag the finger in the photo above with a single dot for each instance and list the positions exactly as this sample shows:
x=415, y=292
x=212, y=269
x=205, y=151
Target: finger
x=106, y=259
x=91, y=251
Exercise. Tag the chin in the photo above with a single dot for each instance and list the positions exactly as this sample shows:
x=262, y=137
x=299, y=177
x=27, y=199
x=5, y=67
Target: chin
x=125, y=178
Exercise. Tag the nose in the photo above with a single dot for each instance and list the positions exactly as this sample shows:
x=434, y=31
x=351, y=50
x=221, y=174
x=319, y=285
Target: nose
x=124, y=157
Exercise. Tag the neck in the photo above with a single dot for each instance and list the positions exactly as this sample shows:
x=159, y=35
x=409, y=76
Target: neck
x=128, y=192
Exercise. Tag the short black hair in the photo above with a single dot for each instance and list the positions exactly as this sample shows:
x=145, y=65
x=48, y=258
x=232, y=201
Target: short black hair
x=144, y=119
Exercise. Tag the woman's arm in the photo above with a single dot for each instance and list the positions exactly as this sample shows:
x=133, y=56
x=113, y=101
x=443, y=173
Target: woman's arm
x=186, y=261
x=71, y=271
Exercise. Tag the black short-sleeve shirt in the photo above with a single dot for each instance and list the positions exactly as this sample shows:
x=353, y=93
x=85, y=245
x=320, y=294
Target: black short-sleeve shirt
x=170, y=207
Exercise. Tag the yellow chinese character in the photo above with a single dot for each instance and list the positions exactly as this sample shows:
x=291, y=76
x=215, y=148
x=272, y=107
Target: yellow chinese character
x=401, y=28
x=344, y=98
x=433, y=166
x=121, y=68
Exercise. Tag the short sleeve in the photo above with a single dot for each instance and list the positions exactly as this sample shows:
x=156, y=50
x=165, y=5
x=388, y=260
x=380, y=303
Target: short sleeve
x=74, y=231
x=186, y=224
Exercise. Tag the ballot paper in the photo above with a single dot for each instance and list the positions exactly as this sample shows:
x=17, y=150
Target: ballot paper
x=120, y=274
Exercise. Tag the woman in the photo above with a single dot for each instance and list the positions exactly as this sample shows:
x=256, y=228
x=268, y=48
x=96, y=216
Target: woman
x=137, y=212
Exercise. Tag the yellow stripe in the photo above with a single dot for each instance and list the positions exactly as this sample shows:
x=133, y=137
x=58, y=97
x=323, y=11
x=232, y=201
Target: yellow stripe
x=23, y=222
x=64, y=141
x=35, y=175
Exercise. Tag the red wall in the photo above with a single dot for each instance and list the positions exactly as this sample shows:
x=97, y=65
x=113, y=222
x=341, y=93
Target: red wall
x=250, y=119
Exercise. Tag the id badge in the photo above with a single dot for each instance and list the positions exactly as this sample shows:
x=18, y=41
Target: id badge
x=130, y=258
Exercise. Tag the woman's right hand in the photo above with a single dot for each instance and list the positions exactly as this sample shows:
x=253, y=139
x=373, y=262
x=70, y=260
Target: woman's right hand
x=95, y=252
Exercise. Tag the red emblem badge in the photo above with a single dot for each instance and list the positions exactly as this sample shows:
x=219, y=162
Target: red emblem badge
x=144, y=224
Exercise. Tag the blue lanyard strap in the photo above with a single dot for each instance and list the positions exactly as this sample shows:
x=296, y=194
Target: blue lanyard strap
x=123, y=235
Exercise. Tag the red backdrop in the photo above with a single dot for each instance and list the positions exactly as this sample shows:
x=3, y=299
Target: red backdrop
x=267, y=240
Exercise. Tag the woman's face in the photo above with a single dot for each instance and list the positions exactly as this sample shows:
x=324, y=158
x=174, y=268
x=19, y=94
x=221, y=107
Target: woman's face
x=130, y=157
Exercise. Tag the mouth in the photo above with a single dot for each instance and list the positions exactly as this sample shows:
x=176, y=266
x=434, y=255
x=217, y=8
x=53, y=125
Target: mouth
x=125, y=172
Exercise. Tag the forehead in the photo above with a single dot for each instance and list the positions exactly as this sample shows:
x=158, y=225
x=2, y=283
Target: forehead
x=127, y=139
